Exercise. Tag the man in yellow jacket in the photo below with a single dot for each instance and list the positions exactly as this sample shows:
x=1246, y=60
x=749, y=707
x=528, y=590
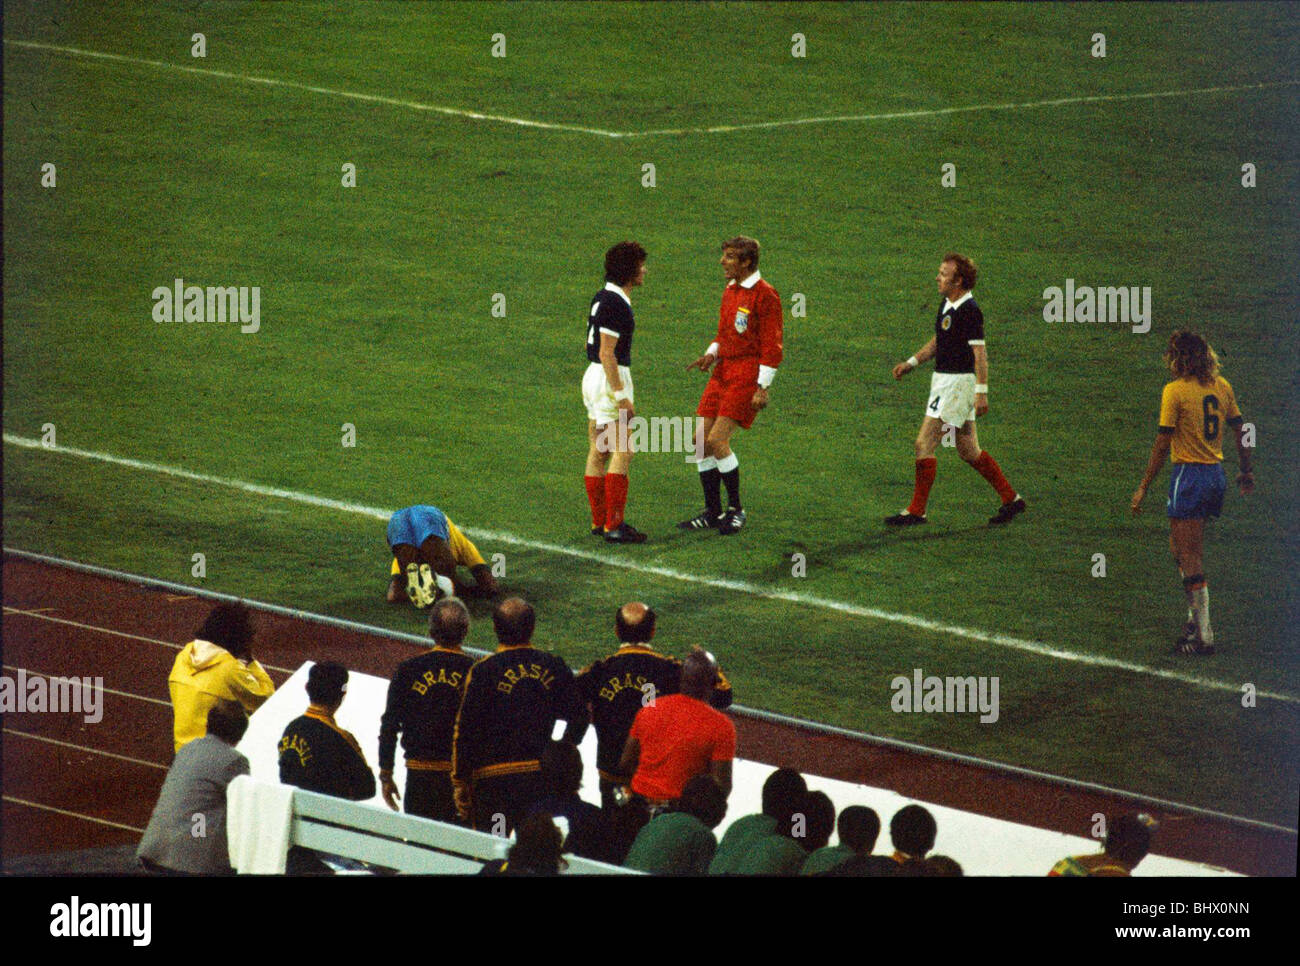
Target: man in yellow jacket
x=217, y=666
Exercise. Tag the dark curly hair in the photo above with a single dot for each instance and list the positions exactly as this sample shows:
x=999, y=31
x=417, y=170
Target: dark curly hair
x=622, y=262
x=229, y=626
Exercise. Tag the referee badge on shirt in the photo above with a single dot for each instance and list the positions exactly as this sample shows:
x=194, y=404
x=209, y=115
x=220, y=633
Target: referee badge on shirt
x=946, y=324
x=742, y=320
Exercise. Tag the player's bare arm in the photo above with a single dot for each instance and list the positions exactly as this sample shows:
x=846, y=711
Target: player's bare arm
x=924, y=354
x=760, y=398
x=981, y=379
x=1159, y=456
x=609, y=363
x=705, y=362
x=1246, y=476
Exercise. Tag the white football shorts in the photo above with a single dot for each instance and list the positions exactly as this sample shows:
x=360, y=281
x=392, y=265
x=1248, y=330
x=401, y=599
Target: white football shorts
x=599, y=398
x=952, y=397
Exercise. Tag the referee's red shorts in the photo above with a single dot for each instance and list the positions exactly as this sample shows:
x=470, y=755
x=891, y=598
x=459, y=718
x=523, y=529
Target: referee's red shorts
x=730, y=391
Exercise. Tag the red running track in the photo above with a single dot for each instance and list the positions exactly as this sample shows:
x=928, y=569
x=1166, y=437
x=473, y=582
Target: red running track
x=69, y=784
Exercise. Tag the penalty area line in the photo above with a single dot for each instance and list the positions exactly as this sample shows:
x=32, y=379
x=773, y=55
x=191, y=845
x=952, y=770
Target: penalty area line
x=1010, y=642
x=659, y=132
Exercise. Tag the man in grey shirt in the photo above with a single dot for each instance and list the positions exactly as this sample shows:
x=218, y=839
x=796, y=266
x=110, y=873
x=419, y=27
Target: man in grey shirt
x=187, y=831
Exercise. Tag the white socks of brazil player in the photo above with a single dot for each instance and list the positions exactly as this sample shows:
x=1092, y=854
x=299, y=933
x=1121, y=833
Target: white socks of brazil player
x=1201, y=613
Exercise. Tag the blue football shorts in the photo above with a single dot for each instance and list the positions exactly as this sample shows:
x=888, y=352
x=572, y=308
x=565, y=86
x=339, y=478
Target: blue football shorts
x=1196, y=490
x=416, y=524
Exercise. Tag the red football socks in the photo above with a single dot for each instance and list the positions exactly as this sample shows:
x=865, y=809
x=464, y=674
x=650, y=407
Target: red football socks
x=596, y=497
x=615, y=499
x=988, y=468
x=925, y=470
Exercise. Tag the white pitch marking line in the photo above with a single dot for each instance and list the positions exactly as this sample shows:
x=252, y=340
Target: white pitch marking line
x=333, y=92
x=109, y=630
x=660, y=132
x=740, y=586
x=93, y=751
x=64, y=811
x=968, y=109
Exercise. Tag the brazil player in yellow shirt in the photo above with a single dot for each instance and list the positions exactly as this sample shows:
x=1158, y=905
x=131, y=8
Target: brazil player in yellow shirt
x=1193, y=410
x=427, y=548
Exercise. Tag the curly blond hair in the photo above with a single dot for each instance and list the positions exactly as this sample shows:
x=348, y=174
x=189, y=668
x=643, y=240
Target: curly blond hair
x=1189, y=355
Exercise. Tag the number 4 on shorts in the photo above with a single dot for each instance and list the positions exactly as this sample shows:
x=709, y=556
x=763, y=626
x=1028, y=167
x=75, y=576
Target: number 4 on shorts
x=934, y=405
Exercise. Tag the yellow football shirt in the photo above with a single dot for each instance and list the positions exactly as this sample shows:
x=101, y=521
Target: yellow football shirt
x=1196, y=414
x=462, y=550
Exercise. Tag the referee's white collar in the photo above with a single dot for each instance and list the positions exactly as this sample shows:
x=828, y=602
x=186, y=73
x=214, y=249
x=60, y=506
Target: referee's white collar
x=749, y=282
x=948, y=306
x=611, y=287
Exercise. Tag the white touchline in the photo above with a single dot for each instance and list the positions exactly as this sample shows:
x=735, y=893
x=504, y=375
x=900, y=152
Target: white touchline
x=660, y=132
x=740, y=586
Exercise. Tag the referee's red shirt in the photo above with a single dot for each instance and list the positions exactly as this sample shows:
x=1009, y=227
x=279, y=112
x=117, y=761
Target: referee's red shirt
x=680, y=738
x=750, y=323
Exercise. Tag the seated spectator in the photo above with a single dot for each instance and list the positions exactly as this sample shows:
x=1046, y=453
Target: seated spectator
x=318, y=755
x=782, y=794
x=536, y=850
x=681, y=842
x=1127, y=843
x=940, y=866
x=187, y=830
x=561, y=778
x=625, y=817
x=216, y=666
x=785, y=850
x=858, y=828
x=912, y=831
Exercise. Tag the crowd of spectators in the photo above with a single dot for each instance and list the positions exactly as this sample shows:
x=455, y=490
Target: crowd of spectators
x=477, y=739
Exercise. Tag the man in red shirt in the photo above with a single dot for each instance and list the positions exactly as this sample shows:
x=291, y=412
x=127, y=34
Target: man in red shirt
x=678, y=736
x=747, y=352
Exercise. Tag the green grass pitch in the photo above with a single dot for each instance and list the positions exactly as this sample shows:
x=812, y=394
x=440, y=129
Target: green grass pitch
x=376, y=310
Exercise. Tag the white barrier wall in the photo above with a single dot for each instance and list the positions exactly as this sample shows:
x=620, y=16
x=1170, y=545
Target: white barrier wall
x=983, y=846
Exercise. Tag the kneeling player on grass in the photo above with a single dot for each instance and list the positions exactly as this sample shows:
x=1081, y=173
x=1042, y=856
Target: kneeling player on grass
x=958, y=393
x=748, y=351
x=1192, y=408
x=427, y=547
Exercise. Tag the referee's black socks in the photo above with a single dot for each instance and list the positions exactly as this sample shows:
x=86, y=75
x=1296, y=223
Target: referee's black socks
x=710, y=480
x=729, y=470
